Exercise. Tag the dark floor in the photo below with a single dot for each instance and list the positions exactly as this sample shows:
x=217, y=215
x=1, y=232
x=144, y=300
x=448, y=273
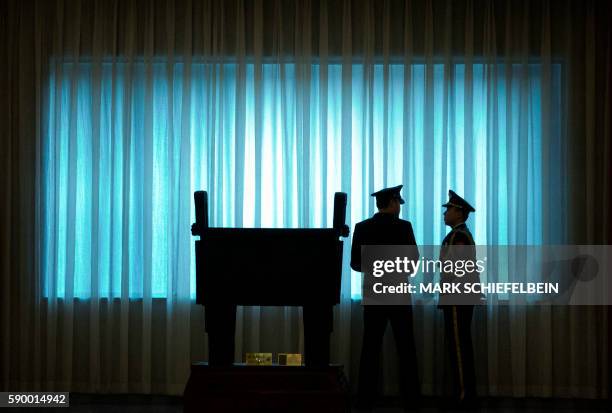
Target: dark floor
x=507, y=405
x=84, y=403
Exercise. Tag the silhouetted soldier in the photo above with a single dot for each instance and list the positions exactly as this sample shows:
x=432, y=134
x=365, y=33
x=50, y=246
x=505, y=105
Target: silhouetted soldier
x=385, y=228
x=458, y=308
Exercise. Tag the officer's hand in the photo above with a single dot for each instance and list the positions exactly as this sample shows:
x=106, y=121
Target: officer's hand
x=195, y=229
x=345, y=231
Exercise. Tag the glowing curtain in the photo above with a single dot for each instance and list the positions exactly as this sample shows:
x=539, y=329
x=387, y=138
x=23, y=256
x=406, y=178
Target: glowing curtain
x=129, y=173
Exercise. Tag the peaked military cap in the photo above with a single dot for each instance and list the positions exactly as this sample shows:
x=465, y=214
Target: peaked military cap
x=458, y=202
x=389, y=193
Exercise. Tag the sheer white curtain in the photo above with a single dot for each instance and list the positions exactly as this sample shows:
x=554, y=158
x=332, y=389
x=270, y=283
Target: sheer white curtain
x=272, y=107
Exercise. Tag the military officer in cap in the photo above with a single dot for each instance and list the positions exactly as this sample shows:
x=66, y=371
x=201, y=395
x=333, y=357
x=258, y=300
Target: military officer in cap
x=458, y=308
x=385, y=228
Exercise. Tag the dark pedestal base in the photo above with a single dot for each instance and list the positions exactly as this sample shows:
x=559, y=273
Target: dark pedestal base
x=242, y=388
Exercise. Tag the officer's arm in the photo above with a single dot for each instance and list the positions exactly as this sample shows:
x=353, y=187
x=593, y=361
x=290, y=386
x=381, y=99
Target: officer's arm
x=460, y=239
x=412, y=241
x=356, y=249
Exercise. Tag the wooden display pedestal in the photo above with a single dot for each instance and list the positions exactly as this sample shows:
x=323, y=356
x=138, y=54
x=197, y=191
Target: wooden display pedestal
x=244, y=388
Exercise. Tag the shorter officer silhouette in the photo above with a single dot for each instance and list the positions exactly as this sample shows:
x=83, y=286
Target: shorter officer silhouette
x=459, y=308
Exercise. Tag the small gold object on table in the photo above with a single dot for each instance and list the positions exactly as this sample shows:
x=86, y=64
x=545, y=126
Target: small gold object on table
x=259, y=359
x=289, y=359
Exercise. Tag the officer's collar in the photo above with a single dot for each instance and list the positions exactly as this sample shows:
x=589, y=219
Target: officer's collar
x=385, y=214
x=462, y=224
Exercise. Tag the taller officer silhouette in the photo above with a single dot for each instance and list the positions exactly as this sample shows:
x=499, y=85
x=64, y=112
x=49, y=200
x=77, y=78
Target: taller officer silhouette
x=385, y=228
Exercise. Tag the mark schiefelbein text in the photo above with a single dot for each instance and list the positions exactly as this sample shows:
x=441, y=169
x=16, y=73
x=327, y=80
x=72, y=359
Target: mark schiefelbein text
x=468, y=288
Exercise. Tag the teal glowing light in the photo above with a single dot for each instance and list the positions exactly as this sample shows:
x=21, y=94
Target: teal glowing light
x=126, y=144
